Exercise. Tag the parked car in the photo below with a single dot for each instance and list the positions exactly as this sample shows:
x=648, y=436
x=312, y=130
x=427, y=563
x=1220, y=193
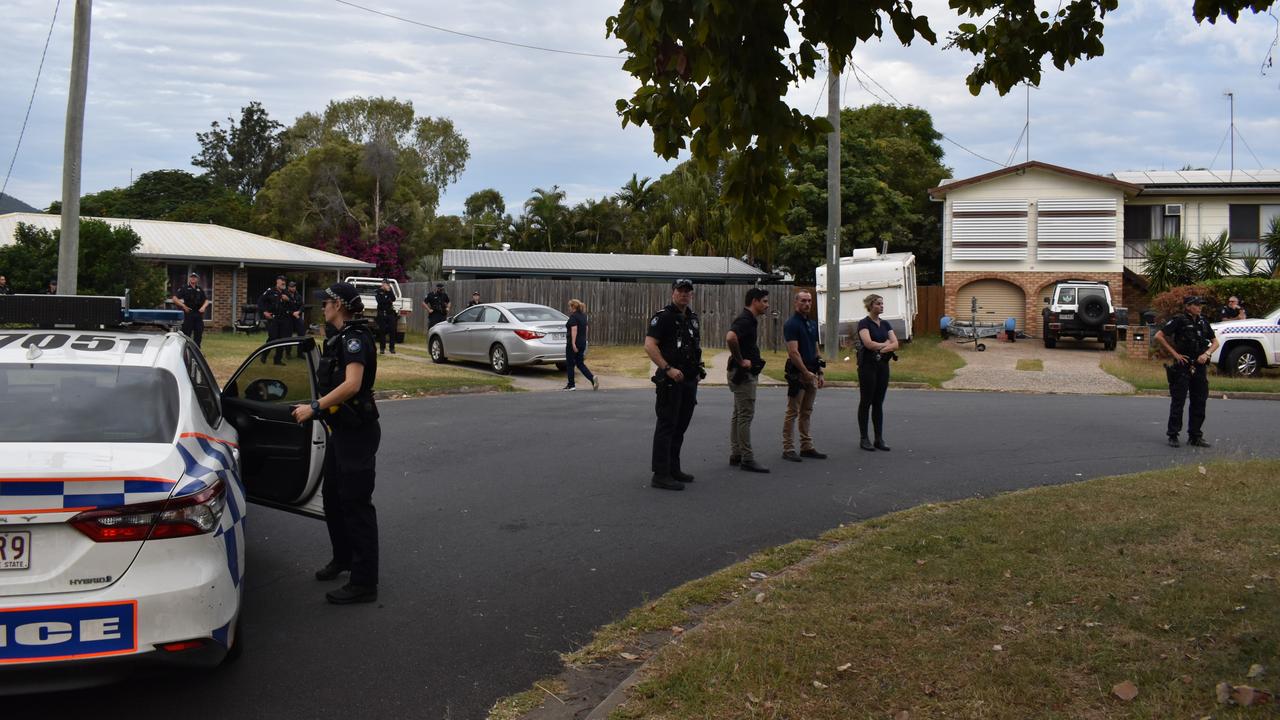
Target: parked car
x=367, y=286
x=1082, y=309
x=502, y=334
x=1248, y=346
x=122, y=499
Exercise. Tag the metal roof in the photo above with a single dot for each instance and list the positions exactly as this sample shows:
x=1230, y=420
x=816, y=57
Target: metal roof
x=949, y=184
x=199, y=242
x=606, y=264
x=1199, y=177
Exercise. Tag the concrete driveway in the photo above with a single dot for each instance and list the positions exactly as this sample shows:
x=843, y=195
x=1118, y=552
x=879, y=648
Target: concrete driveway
x=1073, y=367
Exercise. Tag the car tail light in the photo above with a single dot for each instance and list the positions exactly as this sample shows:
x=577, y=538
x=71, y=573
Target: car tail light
x=530, y=334
x=183, y=645
x=194, y=514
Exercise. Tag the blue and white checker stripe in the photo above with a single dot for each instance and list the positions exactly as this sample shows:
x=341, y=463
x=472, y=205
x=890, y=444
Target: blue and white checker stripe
x=1249, y=329
x=46, y=494
x=206, y=461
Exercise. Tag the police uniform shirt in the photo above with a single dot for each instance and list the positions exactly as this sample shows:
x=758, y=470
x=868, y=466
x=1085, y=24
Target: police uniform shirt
x=386, y=300
x=678, y=339
x=355, y=346
x=437, y=301
x=1189, y=336
x=745, y=326
x=271, y=301
x=1231, y=313
x=192, y=297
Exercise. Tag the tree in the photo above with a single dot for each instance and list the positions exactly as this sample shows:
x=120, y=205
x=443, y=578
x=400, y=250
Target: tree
x=713, y=73
x=484, y=212
x=107, y=263
x=482, y=203
x=545, y=211
x=1271, y=245
x=169, y=195
x=243, y=155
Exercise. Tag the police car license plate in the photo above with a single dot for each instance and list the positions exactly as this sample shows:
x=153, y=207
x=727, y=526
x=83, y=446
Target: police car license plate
x=66, y=632
x=15, y=550
x=1067, y=316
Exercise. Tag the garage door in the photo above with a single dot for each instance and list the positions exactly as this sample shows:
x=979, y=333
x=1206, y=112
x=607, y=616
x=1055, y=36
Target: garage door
x=997, y=300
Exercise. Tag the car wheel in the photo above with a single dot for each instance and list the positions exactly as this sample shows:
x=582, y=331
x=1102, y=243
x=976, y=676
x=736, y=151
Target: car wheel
x=498, y=359
x=1050, y=342
x=1243, y=360
x=436, y=349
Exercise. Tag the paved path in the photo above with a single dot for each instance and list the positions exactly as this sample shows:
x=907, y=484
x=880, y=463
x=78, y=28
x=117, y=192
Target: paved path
x=1071, y=368
x=515, y=524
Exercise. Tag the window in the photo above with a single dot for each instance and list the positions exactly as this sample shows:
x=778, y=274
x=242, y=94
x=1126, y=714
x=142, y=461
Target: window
x=287, y=384
x=469, y=315
x=203, y=384
x=537, y=313
x=491, y=315
x=1067, y=296
x=1247, y=225
x=1145, y=223
x=87, y=403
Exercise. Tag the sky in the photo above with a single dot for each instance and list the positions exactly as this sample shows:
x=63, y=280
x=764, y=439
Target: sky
x=163, y=70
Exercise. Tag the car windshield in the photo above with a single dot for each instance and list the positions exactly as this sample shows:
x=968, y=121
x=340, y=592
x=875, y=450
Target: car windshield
x=87, y=403
x=537, y=313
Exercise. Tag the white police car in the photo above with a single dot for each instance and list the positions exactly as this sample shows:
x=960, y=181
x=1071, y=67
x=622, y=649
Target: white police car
x=124, y=473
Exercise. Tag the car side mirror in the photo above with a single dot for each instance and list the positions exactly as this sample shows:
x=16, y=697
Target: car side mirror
x=266, y=390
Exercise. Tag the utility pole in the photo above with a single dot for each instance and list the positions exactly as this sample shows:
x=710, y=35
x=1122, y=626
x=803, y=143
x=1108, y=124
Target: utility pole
x=1231, y=97
x=833, y=207
x=72, y=147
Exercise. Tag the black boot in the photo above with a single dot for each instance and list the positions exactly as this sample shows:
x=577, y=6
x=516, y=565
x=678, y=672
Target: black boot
x=1173, y=441
x=331, y=571
x=865, y=444
x=350, y=594
x=665, y=482
x=682, y=476
x=879, y=445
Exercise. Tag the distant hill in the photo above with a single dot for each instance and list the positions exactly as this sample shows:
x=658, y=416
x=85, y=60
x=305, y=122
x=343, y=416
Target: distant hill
x=10, y=204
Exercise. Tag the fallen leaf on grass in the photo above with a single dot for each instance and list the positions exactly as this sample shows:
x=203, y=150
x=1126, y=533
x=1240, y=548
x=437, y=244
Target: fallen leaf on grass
x=1090, y=624
x=752, y=698
x=629, y=656
x=1242, y=695
x=676, y=629
x=844, y=667
x=819, y=685
x=1009, y=628
x=806, y=633
x=1203, y=470
x=1255, y=670
x=1187, y=680
x=757, y=575
x=1126, y=691
x=1008, y=574
x=759, y=597
x=902, y=715
x=921, y=562
x=997, y=648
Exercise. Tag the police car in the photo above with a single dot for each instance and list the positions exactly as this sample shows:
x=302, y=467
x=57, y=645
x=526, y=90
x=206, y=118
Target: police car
x=124, y=476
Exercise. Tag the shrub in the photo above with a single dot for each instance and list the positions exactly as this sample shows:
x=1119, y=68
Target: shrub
x=1258, y=295
x=1169, y=303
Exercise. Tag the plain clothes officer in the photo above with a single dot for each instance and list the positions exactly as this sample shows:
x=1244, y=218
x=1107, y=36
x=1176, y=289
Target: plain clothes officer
x=744, y=368
x=4, y=286
x=674, y=343
x=52, y=289
x=348, y=369
x=1189, y=340
x=273, y=306
x=1234, y=310
x=437, y=305
x=575, y=349
x=475, y=299
x=192, y=301
x=803, y=372
x=386, y=300
x=878, y=346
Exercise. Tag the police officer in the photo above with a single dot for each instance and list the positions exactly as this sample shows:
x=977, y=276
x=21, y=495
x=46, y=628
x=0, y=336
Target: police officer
x=348, y=368
x=386, y=300
x=1189, y=340
x=437, y=305
x=296, y=305
x=674, y=343
x=4, y=286
x=192, y=301
x=475, y=298
x=273, y=305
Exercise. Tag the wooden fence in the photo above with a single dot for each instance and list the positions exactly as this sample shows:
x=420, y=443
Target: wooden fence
x=620, y=311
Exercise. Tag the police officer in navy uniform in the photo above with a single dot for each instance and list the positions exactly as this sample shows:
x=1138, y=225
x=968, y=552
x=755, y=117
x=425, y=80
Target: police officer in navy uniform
x=386, y=300
x=273, y=306
x=674, y=343
x=192, y=301
x=296, y=305
x=437, y=305
x=1190, y=341
x=348, y=369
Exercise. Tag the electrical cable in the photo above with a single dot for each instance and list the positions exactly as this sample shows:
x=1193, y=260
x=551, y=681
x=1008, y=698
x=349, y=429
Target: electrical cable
x=1016, y=145
x=4, y=186
x=473, y=37
x=1224, y=142
x=1246, y=144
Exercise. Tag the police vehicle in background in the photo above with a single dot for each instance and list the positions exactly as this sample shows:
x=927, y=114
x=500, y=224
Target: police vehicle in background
x=1248, y=346
x=124, y=477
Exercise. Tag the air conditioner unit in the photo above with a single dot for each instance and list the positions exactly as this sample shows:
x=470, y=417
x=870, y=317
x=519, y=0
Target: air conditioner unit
x=1171, y=210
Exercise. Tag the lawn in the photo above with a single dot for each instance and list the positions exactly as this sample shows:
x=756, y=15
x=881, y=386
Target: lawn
x=1149, y=375
x=404, y=372
x=923, y=360
x=1036, y=604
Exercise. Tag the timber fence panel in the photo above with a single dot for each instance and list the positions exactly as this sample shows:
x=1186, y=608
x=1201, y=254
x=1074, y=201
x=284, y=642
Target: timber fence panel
x=929, y=308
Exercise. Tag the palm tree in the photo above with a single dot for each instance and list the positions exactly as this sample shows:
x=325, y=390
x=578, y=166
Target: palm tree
x=1168, y=264
x=1271, y=242
x=1211, y=259
x=546, y=210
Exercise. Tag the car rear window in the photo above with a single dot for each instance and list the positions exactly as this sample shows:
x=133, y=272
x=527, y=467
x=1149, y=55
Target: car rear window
x=537, y=314
x=87, y=403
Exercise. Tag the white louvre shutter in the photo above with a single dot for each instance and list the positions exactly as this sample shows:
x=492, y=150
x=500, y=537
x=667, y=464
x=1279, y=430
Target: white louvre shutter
x=989, y=230
x=1077, y=229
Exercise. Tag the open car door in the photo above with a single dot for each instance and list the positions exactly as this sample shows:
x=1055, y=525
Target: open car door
x=281, y=460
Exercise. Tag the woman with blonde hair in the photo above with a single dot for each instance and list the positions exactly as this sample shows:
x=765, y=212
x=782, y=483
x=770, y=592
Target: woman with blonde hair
x=877, y=344
x=575, y=351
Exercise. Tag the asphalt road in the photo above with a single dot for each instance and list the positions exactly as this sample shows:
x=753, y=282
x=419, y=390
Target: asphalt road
x=514, y=524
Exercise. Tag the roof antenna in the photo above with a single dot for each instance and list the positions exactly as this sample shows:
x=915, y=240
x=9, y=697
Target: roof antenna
x=1232, y=98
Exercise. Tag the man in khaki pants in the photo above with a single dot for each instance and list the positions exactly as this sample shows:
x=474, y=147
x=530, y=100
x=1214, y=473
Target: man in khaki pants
x=804, y=377
x=744, y=368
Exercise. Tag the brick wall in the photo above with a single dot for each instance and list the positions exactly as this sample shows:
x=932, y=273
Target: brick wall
x=222, y=305
x=1035, y=285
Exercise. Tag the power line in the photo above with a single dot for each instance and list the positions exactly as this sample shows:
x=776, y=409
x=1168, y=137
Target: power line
x=32, y=101
x=1246, y=144
x=473, y=37
x=1215, y=155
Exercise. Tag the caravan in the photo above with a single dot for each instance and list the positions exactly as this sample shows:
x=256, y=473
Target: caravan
x=891, y=275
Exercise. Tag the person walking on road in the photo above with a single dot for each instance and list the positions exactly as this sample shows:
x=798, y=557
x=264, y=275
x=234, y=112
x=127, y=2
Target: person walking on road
x=575, y=351
x=1189, y=339
x=192, y=301
x=345, y=378
x=673, y=343
x=386, y=300
x=743, y=372
x=878, y=344
x=803, y=372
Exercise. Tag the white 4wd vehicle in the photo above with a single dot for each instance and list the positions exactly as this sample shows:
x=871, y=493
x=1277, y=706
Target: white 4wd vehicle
x=404, y=306
x=1249, y=345
x=1081, y=309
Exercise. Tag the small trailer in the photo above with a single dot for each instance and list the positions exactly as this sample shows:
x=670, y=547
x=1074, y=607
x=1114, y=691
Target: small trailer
x=892, y=276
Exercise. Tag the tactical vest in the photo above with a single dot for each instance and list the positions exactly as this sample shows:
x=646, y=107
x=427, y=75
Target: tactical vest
x=358, y=410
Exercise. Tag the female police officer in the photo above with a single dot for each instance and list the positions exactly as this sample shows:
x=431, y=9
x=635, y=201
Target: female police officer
x=878, y=345
x=348, y=367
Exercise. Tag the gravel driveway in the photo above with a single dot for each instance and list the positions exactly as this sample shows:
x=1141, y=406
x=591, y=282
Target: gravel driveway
x=1072, y=367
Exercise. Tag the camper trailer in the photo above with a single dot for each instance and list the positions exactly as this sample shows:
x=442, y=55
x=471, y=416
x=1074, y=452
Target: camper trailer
x=892, y=276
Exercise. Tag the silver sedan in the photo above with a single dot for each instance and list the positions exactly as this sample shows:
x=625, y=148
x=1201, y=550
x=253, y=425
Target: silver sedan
x=502, y=334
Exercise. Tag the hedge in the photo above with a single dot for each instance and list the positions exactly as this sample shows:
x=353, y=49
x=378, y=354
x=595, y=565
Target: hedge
x=1259, y=296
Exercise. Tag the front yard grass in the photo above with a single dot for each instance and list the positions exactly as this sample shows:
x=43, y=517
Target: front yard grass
x=926, y=359
x=226, y=351
x=1034, y=604
x=1150, y=375
x=1030, y=364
